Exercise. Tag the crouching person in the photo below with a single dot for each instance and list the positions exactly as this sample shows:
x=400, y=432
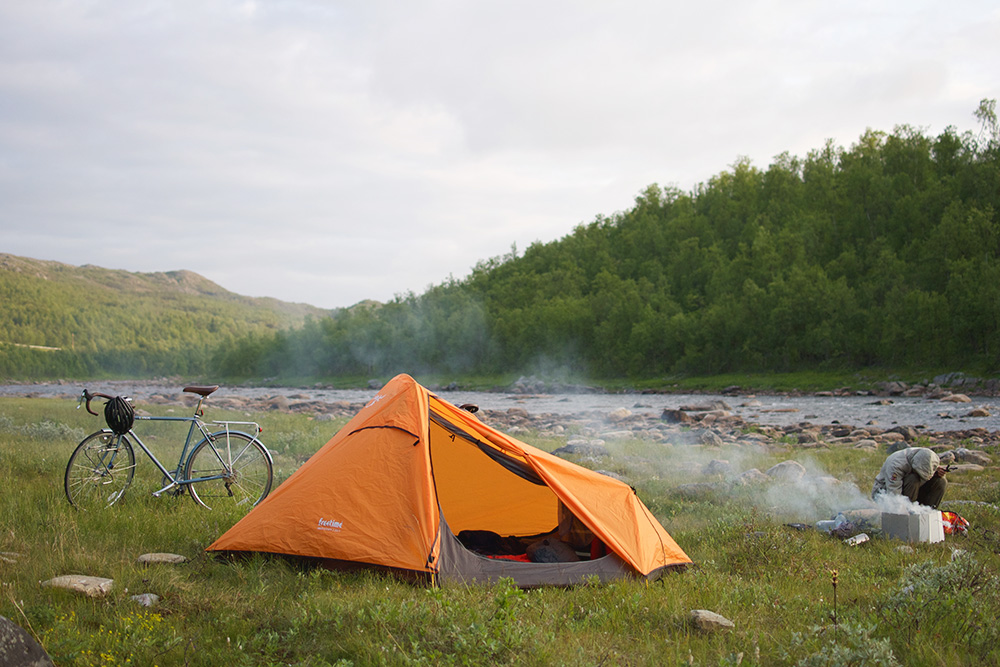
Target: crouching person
x=914, y=472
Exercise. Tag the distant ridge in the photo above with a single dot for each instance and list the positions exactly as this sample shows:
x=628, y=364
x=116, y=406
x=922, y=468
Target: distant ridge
x=95, y=318
x=181, y=281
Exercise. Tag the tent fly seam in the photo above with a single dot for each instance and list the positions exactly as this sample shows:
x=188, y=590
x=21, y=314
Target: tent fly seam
x=397, y=428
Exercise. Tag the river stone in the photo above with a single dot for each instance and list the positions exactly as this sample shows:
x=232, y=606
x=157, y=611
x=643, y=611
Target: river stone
x=676, y=417
x=710, y=438
x=94, y=587
x=19, y=649
x=707, y=407
x=709, y=621
x=146, y=599
x=789, y=471
x=149, y=559
x=752, y=476
x=717, y=467
x=979, y=412
x=956, y=398
x=277, y=403
x=972, y=456
x=619, y=414
x=582, y=449
x=908, y=432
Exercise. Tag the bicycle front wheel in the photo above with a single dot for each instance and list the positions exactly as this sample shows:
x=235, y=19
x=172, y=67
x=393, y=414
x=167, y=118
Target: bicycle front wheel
x=229, y=469
x=99, y=470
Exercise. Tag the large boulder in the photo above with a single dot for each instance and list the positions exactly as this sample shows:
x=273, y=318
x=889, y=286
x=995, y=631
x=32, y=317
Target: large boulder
x=19, y=649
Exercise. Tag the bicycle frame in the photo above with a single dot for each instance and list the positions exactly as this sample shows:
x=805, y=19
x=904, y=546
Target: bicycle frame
x=197, y=426
x=218, y=460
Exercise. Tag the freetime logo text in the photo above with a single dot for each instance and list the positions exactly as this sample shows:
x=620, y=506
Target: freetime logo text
x=330, y=525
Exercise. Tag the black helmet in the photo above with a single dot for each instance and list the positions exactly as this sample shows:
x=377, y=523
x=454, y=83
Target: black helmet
x=119, y=414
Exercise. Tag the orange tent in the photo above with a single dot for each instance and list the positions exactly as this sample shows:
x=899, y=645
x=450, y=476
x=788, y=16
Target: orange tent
x=410, y=474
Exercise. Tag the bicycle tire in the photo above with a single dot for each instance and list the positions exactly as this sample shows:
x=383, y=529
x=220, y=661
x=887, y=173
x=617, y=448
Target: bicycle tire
x=99, y=471
x=239, y=466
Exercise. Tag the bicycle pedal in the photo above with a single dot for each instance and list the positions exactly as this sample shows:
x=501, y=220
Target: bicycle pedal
x=171, y=489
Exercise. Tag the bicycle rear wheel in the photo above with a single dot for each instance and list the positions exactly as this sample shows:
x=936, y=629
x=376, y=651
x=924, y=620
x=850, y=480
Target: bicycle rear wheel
x=99, y=470
x=229, y=469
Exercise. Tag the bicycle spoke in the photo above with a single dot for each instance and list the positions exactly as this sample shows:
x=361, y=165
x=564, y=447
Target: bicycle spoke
x=230, y=469
x=99, y=471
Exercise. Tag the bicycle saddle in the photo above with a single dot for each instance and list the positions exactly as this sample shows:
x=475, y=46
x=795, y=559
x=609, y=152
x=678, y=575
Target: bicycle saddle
x=201, y=390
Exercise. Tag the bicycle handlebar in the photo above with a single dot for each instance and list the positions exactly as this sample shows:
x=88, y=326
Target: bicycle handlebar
x=88, y=397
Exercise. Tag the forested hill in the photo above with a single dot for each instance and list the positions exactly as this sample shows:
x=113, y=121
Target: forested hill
x=886, y=253
x=61, y=320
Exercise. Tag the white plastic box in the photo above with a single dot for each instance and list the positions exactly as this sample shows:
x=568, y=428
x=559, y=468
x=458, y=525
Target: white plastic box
x=923, y=527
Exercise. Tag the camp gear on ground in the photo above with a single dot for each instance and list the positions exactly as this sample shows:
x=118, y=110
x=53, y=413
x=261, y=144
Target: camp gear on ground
x=954, y=524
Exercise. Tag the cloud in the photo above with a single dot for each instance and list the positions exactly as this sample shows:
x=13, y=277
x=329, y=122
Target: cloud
x=329, y=153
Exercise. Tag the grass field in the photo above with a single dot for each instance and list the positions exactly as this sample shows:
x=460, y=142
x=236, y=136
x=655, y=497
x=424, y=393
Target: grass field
x=931, y=606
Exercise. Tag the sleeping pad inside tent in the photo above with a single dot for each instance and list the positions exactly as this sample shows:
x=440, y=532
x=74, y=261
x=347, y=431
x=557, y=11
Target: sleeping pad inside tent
x=415, y=483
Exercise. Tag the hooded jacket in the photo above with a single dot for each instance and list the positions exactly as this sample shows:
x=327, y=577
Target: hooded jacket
x=919, y=460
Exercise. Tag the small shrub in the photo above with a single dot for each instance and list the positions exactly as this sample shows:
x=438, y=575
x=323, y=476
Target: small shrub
x=843, y=646
x=45, y=430
x=955, y=603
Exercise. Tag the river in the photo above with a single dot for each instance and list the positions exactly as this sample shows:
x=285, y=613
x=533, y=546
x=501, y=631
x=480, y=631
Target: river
x=933, y=415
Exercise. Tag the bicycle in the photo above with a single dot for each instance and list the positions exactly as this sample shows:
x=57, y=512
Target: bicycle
x=223, y=467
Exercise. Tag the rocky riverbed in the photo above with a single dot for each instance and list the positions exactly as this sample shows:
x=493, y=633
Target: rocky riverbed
x=713, y=420
x=708, y=424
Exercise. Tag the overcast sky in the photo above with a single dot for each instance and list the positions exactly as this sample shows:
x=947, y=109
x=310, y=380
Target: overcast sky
x=328, y=152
